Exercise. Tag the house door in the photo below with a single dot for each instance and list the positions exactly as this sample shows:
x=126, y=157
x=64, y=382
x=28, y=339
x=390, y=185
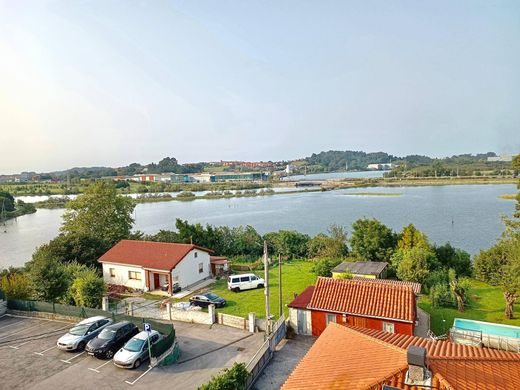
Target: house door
x=302, y=321
x=156, y=281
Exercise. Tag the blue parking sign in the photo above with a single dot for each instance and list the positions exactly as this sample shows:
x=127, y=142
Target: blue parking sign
x=147, y=327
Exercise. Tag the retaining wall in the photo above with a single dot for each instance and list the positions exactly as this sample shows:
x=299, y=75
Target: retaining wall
x=3, y=307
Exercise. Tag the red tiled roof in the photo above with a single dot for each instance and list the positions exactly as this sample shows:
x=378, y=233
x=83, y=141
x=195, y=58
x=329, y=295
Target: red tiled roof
x=364, y=298
x=416, y=287
x=341, y=358
x=345, y=356
x=302, y=300
x=148, y=254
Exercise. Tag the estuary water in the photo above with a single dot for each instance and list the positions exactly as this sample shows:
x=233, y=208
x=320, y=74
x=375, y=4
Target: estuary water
x=467, y=216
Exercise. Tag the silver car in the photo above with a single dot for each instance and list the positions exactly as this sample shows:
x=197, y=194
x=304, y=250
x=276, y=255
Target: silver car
x=135, y=351
x=84, y=331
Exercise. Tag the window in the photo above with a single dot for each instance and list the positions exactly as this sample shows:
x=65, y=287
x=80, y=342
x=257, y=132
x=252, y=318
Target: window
x=112, y=272
x=134, y=275
x=388, y=327
x=254, y=278
x=195, y=254
x=201, y=267
x=244, y=279
x=331, y=318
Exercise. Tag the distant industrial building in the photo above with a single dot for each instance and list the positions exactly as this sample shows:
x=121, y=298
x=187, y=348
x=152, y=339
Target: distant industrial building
x=501, y=158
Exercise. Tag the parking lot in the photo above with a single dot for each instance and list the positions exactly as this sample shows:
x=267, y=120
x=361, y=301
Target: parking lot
x=29, y=358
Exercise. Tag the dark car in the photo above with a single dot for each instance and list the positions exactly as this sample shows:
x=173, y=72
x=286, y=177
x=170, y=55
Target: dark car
x=175, y=287
x=204, y=300
x=111, y=339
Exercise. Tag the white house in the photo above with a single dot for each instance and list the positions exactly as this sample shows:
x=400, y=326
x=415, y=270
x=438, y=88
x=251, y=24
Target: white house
x=146, y=265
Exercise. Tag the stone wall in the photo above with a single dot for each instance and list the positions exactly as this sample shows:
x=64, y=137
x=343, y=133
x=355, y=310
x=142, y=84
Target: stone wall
x=44, y=315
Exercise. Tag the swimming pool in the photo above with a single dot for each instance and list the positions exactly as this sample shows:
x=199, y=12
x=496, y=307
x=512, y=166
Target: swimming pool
x=487, y=328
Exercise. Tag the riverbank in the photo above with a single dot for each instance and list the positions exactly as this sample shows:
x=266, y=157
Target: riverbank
x=416, y=182
x=185, y=196
x=129, y=187
x=21, y=209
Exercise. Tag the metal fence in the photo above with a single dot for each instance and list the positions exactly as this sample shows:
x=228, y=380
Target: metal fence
x=158, y=349
x=264, y=354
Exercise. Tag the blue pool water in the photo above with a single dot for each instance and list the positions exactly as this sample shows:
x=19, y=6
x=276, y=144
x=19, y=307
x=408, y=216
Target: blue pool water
x=487, y=328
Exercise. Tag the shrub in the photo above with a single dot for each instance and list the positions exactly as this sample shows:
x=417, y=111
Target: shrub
x=324, y=267
x=440, y=295
x=88, y=289
x=233, y=378
x=16, y=286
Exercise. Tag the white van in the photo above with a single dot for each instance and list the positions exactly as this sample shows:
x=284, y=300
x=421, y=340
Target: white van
x=244, y=282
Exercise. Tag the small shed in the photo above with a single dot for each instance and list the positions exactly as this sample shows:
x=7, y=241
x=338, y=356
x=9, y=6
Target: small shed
x=363, y=269
x=219, y=265
x=299, y=315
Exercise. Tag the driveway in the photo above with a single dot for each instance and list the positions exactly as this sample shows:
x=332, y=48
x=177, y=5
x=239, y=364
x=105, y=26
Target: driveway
x=286, y=357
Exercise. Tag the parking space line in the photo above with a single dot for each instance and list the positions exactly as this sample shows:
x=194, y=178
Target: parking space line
x=46, y=350
x=140, y=376
x=97, y=368
x=68, y=361
x=18, y=331
x=19, y=345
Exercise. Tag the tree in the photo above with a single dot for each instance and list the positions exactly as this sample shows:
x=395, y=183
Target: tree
x=459, y=289
x=510, y=280
x=488, y=264
x=410, y=237
x=288, y=243
x=99, y=213
x=76, y=247
x=451, y=257
x=414, y=264
x=16, y=286
x=372, y=240
x=324, y=267
x=88, y=289
x=49, y=278
x=333, y=245
x=7, y=200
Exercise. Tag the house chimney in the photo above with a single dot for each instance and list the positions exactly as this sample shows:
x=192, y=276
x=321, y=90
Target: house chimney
x=418, y=374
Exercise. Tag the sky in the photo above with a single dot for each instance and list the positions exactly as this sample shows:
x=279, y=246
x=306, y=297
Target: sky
x=108, y=83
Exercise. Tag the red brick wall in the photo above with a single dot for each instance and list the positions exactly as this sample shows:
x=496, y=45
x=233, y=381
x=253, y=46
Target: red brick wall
x=319, y=323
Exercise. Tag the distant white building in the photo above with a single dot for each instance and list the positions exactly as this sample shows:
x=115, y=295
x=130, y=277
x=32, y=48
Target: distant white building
x=379, y=167
x=502, y=157
x=289, y=169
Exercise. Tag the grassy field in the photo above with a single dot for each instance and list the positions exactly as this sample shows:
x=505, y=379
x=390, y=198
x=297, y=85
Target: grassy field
x=486, y=304
x=296, y=276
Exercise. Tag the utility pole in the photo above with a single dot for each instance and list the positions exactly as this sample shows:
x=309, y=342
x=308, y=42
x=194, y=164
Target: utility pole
x=280, y=284
x=266, y=290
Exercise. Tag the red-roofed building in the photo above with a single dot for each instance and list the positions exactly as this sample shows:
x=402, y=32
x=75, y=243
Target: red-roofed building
x=358, y=359
x=146, y=265
x=379, y=306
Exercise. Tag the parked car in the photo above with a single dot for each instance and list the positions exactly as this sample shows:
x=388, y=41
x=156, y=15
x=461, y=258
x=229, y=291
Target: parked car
x=204, y=300
x=175, y=287
x=78, y=336
x=112, y=338
x=244, y=282
x=135, y=351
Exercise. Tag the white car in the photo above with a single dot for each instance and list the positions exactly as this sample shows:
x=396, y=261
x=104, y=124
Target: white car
x=135, y=351
x=78, y=336
x=244, y=282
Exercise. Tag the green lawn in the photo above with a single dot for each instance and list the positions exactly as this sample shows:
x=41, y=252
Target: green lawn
x=486, y=303
x=296, y=276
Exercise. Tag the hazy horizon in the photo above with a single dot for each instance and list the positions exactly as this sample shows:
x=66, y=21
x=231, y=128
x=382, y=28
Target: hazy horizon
x=108, y=83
